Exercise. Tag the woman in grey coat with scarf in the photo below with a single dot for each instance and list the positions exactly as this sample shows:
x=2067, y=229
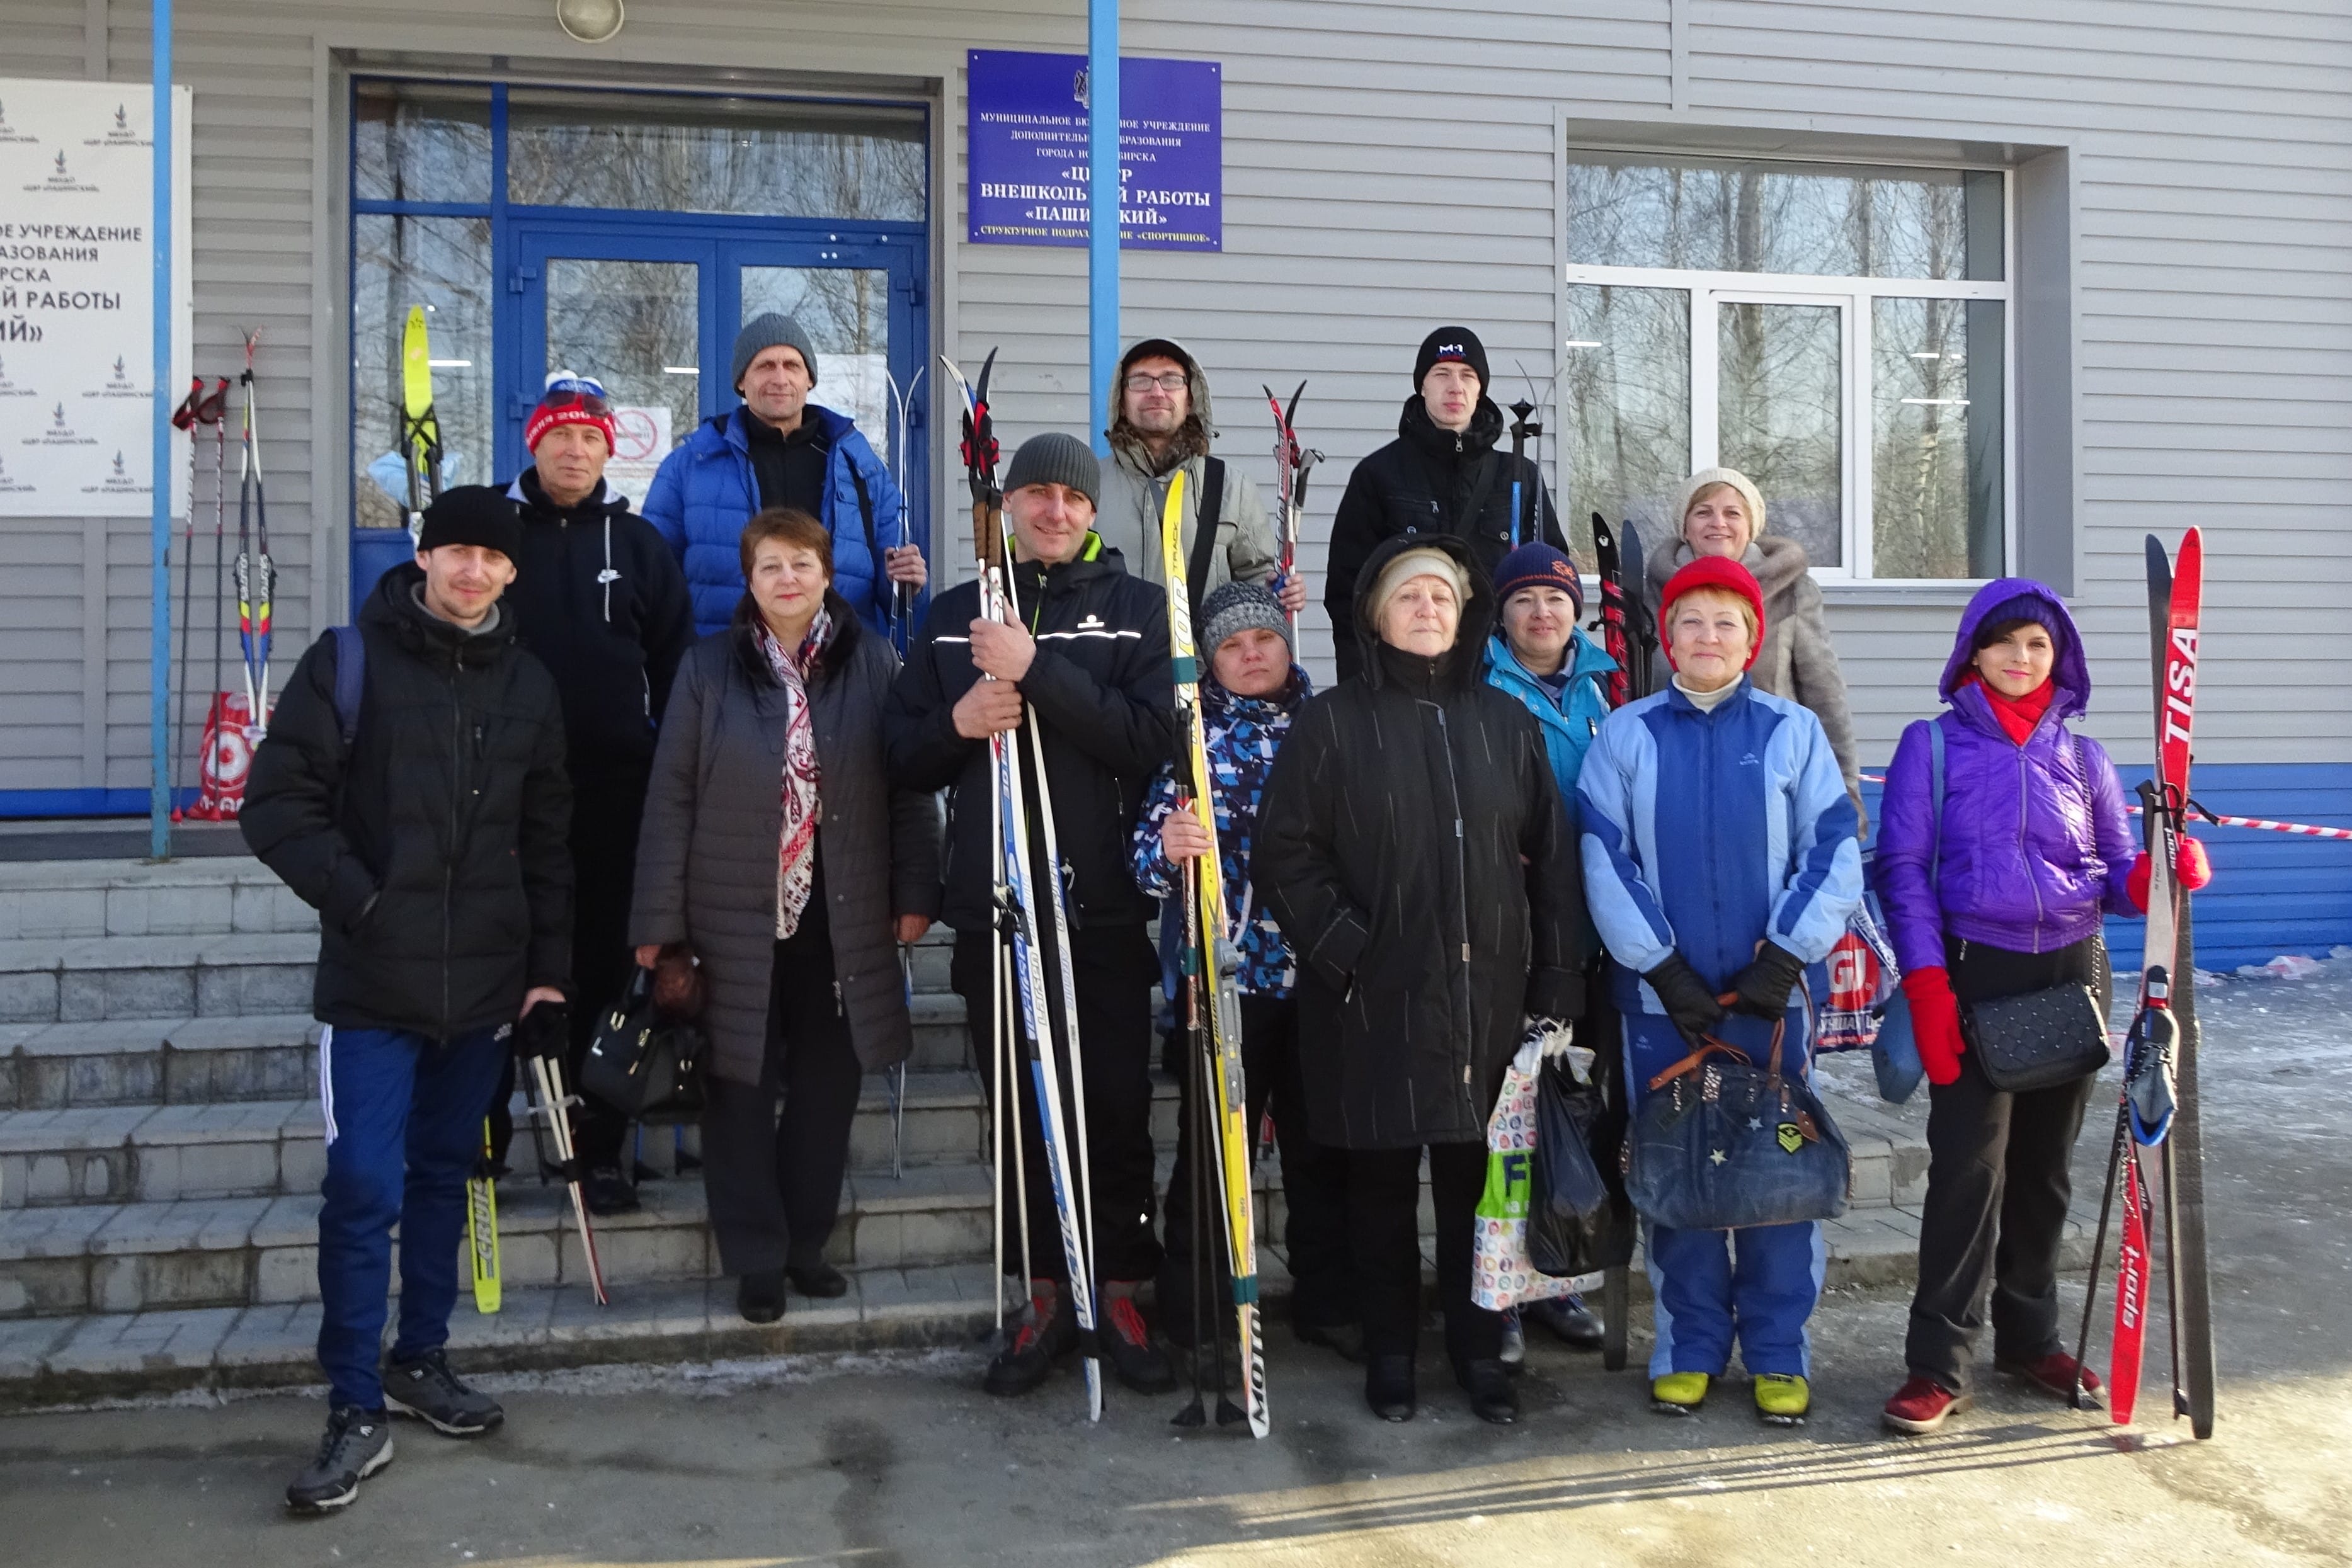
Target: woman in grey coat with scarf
x=775, y=850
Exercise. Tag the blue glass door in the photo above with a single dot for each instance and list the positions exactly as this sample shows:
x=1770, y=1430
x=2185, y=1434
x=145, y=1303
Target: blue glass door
x=651, y=307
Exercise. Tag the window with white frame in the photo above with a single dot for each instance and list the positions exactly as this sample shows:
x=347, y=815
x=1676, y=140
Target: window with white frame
x=1837, y=332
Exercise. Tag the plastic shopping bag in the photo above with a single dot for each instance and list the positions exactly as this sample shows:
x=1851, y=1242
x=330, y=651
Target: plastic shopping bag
x=1580, y=1221
x=1501, y=1273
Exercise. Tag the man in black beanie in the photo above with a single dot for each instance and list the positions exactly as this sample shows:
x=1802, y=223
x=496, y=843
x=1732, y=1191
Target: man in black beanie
x=1084, y=653
x=1442, y=474
x=415, y=796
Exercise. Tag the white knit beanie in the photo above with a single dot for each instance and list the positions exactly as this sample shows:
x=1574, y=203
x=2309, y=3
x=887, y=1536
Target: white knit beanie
x=1749, y=495
x=1421, y=562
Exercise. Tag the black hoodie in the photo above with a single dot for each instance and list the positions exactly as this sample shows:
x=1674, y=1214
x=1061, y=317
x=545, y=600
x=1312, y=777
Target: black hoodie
x=1424, y=482
x=1413, y=846
x=433, y=850
x=613, y=646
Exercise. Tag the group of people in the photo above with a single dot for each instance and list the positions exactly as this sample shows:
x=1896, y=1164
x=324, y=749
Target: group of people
x=547, y=782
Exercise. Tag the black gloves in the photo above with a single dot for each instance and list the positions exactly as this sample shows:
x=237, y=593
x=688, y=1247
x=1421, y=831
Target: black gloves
x=1764, y=985
x=1688, y=1001
x=545, y=1030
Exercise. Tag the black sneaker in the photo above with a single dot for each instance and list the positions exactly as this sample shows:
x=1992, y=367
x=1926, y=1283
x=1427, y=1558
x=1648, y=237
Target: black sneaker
x=1492, y=1397
x=426, y=1389
x=358, y=1444
x=609, y=1191
x=1048, y=1329
x=1575, y=1324
x=759, y=1295
x=1127, y=1344
x=820, y=1279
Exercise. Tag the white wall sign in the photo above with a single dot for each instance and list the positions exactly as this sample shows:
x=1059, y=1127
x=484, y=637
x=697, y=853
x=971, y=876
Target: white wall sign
x=77, y=291
x=640, y=441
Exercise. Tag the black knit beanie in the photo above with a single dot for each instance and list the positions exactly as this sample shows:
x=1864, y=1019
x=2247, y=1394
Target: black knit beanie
x=1458, y=343
x=1054, y=459
x=473, y=515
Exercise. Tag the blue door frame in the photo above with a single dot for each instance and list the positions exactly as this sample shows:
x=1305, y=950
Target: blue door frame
x=523, y=237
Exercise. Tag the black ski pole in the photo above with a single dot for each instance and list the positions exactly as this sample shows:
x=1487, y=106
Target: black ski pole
x=188, y=416
x=1520, y=413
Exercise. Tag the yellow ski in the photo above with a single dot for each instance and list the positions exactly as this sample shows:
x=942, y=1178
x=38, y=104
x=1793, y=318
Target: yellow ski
x=420, y=426
x=482, y=1229
x=1211, y=962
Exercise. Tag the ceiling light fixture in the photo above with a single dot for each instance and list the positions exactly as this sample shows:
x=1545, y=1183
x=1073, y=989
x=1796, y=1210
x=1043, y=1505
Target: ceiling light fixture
x=590, y=21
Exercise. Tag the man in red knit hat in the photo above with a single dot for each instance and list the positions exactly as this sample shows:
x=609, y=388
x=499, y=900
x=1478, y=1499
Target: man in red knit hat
x=601, y=599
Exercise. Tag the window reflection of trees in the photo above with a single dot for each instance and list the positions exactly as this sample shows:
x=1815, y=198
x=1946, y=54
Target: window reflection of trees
x=1763, y=217
x=396, y=263
x=1625, y=397
x=625, y=323
x=703, y=155
x=1932, y=387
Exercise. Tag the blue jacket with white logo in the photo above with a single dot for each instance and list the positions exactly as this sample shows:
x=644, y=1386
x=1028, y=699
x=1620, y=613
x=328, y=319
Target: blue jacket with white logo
x=706, y=491
x=1708, y=833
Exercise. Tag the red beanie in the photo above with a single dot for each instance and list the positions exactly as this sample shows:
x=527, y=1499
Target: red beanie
x=570, y=398
x=1718, y=572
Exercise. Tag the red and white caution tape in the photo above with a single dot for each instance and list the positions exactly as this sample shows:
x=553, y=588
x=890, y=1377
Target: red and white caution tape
x=2303, y=829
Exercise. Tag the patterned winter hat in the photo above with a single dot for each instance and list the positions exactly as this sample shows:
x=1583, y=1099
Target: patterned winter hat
x=1234, y=607
x=571, y=398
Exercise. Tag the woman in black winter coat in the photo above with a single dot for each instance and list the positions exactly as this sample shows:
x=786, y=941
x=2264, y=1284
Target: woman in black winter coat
x=1414, y=847
x=775, y=847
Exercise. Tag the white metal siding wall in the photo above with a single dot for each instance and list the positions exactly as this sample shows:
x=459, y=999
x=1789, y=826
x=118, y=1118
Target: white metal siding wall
x=1390, y=167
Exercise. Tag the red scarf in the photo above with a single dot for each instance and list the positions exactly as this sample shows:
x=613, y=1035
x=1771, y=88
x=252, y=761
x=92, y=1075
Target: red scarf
x=2018, y=716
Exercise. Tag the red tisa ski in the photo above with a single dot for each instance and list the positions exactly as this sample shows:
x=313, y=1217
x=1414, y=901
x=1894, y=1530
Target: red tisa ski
x=2159, y=1087
x=1614, y=641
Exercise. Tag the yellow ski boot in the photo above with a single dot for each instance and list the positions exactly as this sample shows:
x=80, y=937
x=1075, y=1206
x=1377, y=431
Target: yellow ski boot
x=1679, y=1393
x=1782, y=1400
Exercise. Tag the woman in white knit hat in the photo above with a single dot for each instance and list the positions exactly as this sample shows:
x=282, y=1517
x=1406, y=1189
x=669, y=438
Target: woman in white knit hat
x=1722, y=513
x=1414, y=847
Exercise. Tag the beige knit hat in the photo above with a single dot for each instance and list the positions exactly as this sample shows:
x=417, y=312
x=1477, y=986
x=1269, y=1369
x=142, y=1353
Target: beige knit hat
x=1749, y=495
x=1423, y=562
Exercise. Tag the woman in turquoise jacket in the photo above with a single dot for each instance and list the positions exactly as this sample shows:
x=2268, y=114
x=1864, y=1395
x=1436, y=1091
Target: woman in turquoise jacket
x=1538, y=656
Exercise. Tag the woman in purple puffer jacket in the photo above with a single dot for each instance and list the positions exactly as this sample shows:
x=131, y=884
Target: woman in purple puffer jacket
x=2036, y=846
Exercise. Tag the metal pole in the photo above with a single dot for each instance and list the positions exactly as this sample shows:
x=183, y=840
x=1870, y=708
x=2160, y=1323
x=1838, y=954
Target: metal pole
x=159, y=648
x=1103, y=187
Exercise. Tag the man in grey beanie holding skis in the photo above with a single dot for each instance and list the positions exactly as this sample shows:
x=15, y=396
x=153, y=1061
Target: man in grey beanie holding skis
x=1083, y=654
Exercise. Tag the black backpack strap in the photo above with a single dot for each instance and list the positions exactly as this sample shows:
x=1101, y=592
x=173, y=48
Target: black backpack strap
x=351, y=680
x=882, y=594
x=1205, y=530
x=1467, y=525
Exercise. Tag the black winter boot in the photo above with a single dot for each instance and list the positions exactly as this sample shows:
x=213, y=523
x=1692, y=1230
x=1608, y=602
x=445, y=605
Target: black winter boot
x=1388, y=1387
x=1492, y=1397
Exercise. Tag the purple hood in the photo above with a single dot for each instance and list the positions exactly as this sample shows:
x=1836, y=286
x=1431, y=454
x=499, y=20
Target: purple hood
x=2072, y=672
x=2034, y=839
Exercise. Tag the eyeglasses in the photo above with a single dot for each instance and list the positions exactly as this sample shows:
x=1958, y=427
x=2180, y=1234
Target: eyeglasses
x=1172, y=381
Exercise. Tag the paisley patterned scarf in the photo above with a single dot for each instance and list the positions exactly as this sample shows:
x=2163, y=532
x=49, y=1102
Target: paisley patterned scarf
x=796, y=844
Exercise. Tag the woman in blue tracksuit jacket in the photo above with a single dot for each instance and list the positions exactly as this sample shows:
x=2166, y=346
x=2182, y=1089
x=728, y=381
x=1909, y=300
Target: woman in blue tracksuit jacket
x=1719, y=859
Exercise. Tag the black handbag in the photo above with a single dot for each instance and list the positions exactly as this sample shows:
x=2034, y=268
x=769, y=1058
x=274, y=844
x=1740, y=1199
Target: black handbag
x=643, y=1062
x=1579, y=1221
x=1723, y=1145
x=2038, y=1039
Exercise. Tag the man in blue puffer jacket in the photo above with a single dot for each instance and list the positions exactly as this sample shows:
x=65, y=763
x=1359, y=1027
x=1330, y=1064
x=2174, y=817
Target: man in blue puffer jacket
x=1540, y=656
x=779, y=449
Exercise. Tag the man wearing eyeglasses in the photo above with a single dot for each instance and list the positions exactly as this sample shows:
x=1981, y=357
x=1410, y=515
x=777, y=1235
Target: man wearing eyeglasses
x=1159, y=425
x=599, y=598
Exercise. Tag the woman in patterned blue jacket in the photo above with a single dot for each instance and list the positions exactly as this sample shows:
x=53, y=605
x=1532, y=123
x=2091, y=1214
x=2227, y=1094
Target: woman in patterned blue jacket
x=1254, y=687
x=1719, y=859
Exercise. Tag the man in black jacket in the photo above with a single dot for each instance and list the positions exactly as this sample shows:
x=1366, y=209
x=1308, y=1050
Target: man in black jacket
x=598, y=597
x=1442, y=475
x=433, y=847
x=1085, y=648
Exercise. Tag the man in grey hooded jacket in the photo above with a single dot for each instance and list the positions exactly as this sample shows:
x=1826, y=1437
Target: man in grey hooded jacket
x=1160, y=424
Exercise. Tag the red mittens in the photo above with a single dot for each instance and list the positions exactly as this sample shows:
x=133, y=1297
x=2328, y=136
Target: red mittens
x=1935, y=1023
x=2190, y=868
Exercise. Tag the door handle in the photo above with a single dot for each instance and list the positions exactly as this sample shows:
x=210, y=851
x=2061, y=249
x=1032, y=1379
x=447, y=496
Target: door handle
x=519, y=278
